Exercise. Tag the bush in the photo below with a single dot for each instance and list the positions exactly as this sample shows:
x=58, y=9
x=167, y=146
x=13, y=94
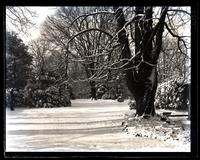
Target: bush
x=36, y=97
x=172, y=94
x=132, y=104
x=106, y=96
x=120, y=99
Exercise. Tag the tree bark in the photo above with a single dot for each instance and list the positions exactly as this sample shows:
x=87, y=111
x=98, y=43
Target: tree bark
x=92, y=83
x=138, y=33
x=93, y=90
x=141, y=80
x=147, y=74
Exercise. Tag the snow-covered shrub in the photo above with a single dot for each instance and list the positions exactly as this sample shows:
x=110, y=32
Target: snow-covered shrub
x=53, y=96
x=106, y=96
x=172, y=94
x=120, y=99
x=101, y=90
x=18, y=96
x=132, y=104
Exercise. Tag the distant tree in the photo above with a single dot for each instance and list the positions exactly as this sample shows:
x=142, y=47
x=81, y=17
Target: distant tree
x=172, y=62
x=18, y=62
x=39, y=50
x=59, y=28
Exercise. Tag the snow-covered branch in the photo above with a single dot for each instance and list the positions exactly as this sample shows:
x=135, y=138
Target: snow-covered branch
x=89, y=14
x=179, y=10
x=88, y=30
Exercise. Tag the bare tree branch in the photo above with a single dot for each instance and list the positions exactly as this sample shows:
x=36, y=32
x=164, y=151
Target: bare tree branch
x=88, y=30
x=91, y=14
x=179, y=10
x=20, y=17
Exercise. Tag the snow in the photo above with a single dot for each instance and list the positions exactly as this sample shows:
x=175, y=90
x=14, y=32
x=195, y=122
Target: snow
x=87, y=125
x=175, y=131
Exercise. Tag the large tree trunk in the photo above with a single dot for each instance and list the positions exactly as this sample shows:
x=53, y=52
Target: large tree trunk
x=141, y=80
x=147, y=74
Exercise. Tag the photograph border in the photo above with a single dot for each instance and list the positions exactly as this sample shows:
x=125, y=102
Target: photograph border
x=194, y=88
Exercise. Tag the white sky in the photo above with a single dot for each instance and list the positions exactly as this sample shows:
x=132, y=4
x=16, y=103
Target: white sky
x=42, y=12
x=34, y=32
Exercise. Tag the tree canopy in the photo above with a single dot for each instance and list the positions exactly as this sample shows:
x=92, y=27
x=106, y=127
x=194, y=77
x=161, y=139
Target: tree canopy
x=18, y=62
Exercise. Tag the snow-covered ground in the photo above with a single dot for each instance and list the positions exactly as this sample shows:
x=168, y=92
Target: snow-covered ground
x=87, y=125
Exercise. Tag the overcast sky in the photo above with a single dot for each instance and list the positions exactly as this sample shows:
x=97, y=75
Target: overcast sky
x=42, y=13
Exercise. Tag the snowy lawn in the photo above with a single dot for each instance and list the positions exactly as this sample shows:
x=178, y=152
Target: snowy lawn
x=90, y=126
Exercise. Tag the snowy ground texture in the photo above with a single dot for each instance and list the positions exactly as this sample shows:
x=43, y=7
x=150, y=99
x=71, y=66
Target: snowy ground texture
x=94, y=126
x=172, y=130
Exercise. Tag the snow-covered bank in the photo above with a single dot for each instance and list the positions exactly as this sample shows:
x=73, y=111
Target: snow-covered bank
x=175, y=131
